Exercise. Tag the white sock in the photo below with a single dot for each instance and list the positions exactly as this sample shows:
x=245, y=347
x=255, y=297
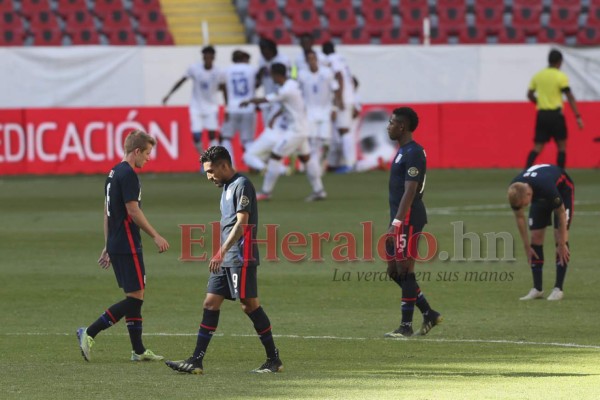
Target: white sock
x=227, y=144
x=253, y=161
x=271, y=176
x=313, y=173
x=349, y=148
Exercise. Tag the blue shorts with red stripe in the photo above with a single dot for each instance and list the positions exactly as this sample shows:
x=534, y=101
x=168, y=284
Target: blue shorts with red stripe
x=129, y=271
x=234, y=282
x=406, y=239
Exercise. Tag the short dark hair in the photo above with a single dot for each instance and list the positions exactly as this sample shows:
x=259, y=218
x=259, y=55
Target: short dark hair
x=554, y=57
x=279, y=69
x=208, y=50
x=214, y=154
x=409, y=115
x=265, y=43
x=238, y=56
x=328, y=48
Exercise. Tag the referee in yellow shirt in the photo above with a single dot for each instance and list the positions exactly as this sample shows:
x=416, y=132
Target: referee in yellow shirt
x=545, y=91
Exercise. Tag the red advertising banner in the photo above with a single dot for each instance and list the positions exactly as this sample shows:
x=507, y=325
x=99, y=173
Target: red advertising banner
x=455, y=135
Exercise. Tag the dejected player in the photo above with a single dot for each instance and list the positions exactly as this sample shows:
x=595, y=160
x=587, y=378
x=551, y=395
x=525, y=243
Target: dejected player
x=233, y=272
x=407, y=218
x=547, y=190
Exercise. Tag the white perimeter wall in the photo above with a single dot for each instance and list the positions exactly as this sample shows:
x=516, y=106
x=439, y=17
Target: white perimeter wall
x=89, y=76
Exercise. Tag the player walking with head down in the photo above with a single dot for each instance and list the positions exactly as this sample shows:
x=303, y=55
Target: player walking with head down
x=407, y=219
x=123, y=218
x=233, y=270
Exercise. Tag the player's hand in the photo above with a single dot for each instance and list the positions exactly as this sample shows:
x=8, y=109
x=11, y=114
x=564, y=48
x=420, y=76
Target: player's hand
x=104, y=260
x=161, y=243
x=244, y=103
x=562, y=254
x=391, y=235
x=531, y=254
x=215, y=263
x=580, y=122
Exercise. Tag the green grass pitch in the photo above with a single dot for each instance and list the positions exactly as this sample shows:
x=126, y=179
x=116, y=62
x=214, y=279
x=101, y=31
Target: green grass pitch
x=329, y=330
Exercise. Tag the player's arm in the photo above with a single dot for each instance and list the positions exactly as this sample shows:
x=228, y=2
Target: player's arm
x=236, y=233
x=223, y=89
x=339, y=102
x=104, y=259
x=275, y=116
x=255, y=100
x=522, y=227
x=562, y=235
x=137, y=215
x=173, y=89
x=410, y=191
x=573, y=105
x=531, y=96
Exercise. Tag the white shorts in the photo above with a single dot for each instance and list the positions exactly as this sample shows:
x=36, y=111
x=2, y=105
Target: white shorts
x=320, y=130
x=200, y=121
x=264, y=144
x=343, y=118
x=244, y=123
x=291, y=142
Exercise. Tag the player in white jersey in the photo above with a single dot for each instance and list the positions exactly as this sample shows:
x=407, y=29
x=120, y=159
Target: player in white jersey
x=293, y=138
x=240, y=85
x=270, y=55
x=204, y=105
x=306, y=43
x=343, y=119
x=318, y=86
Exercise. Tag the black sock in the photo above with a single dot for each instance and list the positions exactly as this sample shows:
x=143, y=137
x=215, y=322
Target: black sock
x=396, y=278
x=409, y=297
x=108, y=318
x=561, y=159
x=208, y=326
x=422, y=303
x=531, y=158
x=262, y=325
x=133, y=319
x=537, y=265
x=561, y=271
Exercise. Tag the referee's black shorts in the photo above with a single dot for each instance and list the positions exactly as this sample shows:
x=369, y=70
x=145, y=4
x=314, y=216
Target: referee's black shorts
x=550, y=124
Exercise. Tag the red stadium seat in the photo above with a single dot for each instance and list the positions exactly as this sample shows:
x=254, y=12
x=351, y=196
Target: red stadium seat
x=471, y=35
x=510, y=35
x=378, y=19
x=331, y=6
x=268, y=21
x=83, y=35
x=341, y=21
x=589, y=36
x=593, y=18
x=395, y=36
x=489, y=15
x=438, y=36
x=10, y=20
x=6, y=5
x=47, y=37
x=156, y=36
x=413, y=12
x=292, y=7
x=71, y=6
x=42, y=19
x=145, y=5
x=11, y=36
x=123, y=36
x=106, y=5
x=550, y=35
x=32, y=6
x=356, y=36
x=114, y=18
x=279, y=34
x=258, y=7
x=526, y=15
x=306, y=19
x=452, y=14
x=79, y=19
x=564, y=15
x=154, y=18
x=366, y=4
x=319, y=35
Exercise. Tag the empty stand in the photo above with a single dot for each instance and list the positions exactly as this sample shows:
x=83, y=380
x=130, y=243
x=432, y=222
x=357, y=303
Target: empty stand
x=510, y=35
x=70, y=6
x=413, y=12
x=11, y=36
x=378, y=19
x=472, y=35
x=550, y=35
x=6, y=5
x=156, y=35
x=306, y=19
x=356, y=36
x=47, y=37
x=122, y=36
x=489, y=15
x=83, y=35
x=452, y=15
x=278, y=34
x=564, y=15
x=292, y=7
x=341, y=21
x=395, y=36
x=258, y=7
x=589, y=36
x=526, y=15
x=10, y=20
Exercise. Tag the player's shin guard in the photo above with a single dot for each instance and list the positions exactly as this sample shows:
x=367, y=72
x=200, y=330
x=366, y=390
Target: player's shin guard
x=422, y=303
x=108, y=318
x=561, y=159
x=263, y=329
x=537, y=265
x=561, y=271
x=409, y=297
x=271, y=176
x=208, y=326
x=531, y=158
x=314, y=173
x=133, y=319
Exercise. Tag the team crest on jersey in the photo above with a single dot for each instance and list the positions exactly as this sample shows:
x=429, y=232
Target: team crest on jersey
x=244, y=201
x=413, y=171
x=228, y=194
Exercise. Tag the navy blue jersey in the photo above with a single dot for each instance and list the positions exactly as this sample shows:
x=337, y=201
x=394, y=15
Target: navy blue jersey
x=239, y=195
x=545, y=181
x=122, y=186
x=408, y=165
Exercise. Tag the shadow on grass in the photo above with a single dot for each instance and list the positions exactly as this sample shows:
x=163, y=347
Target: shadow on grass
x=485, y=374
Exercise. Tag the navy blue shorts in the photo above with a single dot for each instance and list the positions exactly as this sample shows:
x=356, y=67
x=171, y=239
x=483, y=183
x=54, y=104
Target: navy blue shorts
x=234, y=282
x=540, y=213
x=129, y=271
x=406, y=241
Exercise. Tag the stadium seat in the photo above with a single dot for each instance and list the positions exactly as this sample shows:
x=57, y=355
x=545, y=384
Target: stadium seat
x=47, y=37
x=452, y=15
x=413, y=12
x=341, y=21
x=564, y=15
x=395, y=36
x=154, y=18
x=83, y=35
x=593, y=18
x=306, y=19
x=6, y=5
x=279, y=34
x=71, y=6
x=122, y=36
x=114, y=18
x=472, y=35
x=145, y=5
x=42, y=19
x=105, y=5
x=79, y=19
x=269, y=20
x=589, y=36
x=356, y=36
x=550, y=35
x=319, y=35
x=258, y=7
x=489, y=15
x=10, y=20
x=526, y=15
x=292, y=7
x=378, y=19
x=11, y=36
x=331, y=6
x=32, y=6
x=510, y=35
x=156, y=36
x=438, y=36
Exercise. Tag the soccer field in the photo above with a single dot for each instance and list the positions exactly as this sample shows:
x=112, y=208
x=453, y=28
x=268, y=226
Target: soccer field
x=329, y=317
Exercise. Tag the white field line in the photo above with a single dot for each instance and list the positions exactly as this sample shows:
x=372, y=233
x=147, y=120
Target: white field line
x=501, y=209
x=349, y=338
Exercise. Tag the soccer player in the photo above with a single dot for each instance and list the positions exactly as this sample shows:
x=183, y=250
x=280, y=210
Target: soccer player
x=318, y=89
x=240, y=84
x=547, y=190
x=549, y=85
x=293, y=139
x=269, y=55
x=408, y=217
x=233, y=272
x=307, y=42
x=123, y=218
x=204, y=106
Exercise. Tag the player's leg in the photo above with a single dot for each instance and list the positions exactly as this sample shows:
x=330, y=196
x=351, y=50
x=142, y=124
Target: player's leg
x=287, y=143
x=567, y=192
x=247, y=129
x=258, y=152
x=228, y=131
x=211, y=123
x=559, y=133
x=196, y=128
x=537, y=264
x=344, y=122
x=314, y=173
x=542, y=137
